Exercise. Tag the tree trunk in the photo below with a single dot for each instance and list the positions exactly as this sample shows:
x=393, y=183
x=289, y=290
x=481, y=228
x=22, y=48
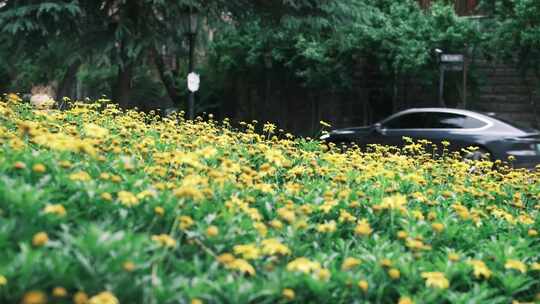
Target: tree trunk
x=122, y=87
x=167, y=77
x=65, y=88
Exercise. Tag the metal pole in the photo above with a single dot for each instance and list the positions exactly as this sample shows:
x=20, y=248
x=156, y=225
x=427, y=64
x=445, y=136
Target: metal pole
x=441, y=86
x=191, y=97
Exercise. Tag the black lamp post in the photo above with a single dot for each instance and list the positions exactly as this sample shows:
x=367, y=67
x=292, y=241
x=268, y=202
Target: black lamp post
x=192, y=22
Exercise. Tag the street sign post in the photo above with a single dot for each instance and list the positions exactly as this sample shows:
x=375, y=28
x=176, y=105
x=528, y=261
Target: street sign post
x=452, y=58
x=193, y=82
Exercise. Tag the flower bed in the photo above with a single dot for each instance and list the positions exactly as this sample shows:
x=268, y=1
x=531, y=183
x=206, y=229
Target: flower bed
x=103, y=206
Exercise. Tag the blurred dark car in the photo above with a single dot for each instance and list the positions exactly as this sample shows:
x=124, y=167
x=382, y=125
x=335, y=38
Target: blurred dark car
x=492, y=136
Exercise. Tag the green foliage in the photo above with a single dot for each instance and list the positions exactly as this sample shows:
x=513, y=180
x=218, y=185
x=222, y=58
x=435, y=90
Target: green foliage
x=514, y=31
x=322, y=49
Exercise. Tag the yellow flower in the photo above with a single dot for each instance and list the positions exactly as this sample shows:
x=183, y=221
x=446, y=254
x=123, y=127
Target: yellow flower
x=127, y=199
x=59, y=292
x=128, y=266
x=363, y=284
x=34, y=297
x=274, y=247
x=212, y=231
x=363, y=228
x=57, y=209
x=350, y=263
x=106, y=196
x=535, y=266
x=386, y=263
x=159, y=211
x=394, y=273
x=327, y=227
x=93, y=130
x=303, y=265
x=40, y=239
x=438, y=227
x=105, y=297
x=405, y=300
x=394, y=202
x=435, y=279
x=288, y=294
x=453, y=257
x=225, y=258
x=164, y=240
x=248, y=251
x=261, y=228
x=517, y=265
x=196, y=301
x=186, y=222
x=242, y=266
x=39, y=168
x=532, y=232
x=402, y=234
x=3, y=280
x=480, y=269
x=276, y=224
x=80, y=176
x=323, y=274
x=80, y=298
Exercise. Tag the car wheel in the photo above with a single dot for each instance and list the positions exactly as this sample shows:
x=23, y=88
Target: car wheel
x=478, y=154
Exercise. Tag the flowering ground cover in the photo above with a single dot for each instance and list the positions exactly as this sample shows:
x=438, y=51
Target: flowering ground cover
x=102, y=206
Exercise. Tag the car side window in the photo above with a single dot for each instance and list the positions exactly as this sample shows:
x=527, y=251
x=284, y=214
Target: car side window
x=407, y=121
x=453, y=121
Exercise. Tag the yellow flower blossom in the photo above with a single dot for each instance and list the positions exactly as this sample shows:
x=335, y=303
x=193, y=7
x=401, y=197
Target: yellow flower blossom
x=59, y=292
x=274, y=247
x=129, y=266
x=350, y=263
x=327, y=227
x=288, y=294
x=164, y=240
x=186, y=222
x=405, y=300
x=363, y=228
x=127, y=199
x=34, y=297
x=303, y=265
x=248, y=251
x=93, y=130
x=212, y=231
x=57, y=209
x=437, y=227
x=39, y=168
x=435, y=279
x=363, y=284
x=480, y=269
x=159, y=210
x=105, y=297
x=3, y=280
x=80, y=176
x=516, y=265
x=242, y=266
x=40, y=239
x=80, y=298
x=394, y=273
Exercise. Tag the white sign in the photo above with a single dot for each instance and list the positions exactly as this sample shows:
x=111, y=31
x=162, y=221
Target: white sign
x=193, y=81
x=451, y=58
